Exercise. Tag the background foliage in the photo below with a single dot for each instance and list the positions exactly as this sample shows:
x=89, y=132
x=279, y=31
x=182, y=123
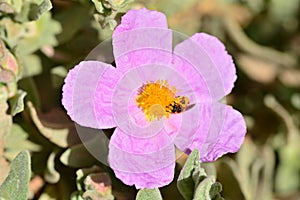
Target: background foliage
x=40, y=40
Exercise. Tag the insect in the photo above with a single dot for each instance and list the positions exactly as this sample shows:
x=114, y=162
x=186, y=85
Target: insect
x=180, y=104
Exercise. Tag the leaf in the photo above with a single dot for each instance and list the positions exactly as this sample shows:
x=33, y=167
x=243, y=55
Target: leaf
x=149, y=194
x=283, y=11
x=39, y=33
x=50, y=193
x=98, y=186
x=94, y=149
x=5, y=120
x=252, y=172
x=98, y=6
x=119, y=5
x=17, y=102
x=3, y=92
x=79, y=15
x=13, y=31
x=77, y=156
x=17, y=5
x=17, y=141
x=57, y=136
x=32, y=65
x=208, y=189
x=16, y=185
x=81, y=174
x=51, y=175
x=58, y=75
x=286, y=182
x=28, y=85
x=4, y=170
x=6, y=8
x=38, y=10
x=76, y=196
x=193, y=182
x=215, y=190
x=186, y=182
x=9, y=68
x=32, y=10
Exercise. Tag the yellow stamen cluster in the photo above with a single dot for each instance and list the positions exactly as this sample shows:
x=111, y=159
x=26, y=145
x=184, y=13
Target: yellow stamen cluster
x=154, y=99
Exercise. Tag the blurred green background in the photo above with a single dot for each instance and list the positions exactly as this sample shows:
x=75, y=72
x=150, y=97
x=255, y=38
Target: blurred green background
x=40, y=40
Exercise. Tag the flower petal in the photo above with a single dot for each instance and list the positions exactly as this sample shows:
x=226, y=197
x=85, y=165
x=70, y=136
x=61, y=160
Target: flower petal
x=87, y=94
x=155, y=179
x=221, y=130
x=68, y=91
x=141, y=145
x=230, y=138
x=210, y=62
x=142, y=18
x=145, y=162
x=142, y=38
x=193, y=79
x=217, y=52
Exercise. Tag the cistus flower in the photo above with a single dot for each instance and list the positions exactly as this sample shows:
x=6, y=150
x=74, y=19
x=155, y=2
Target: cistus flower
x=157, y=97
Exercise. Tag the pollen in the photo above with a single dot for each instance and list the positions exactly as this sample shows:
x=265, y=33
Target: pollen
x=155, y=99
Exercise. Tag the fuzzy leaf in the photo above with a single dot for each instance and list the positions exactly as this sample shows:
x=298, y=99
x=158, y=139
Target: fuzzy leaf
x=16, y=184
x=193, y=182
x=185, y=182
x=208, y=189
x=17, y=102
x=149, y=194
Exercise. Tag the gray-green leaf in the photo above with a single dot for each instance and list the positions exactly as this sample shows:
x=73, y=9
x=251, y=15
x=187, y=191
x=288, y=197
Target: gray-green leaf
x=193, y=182
x=16, y=185
x=208, y=189
x=149, y=194
x=191, y=170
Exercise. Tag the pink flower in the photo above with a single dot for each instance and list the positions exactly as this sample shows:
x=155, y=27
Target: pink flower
x=157, y=98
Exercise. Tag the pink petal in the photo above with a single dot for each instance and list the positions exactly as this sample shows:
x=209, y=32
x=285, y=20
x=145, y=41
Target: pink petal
x=197, y=118
x=87, y=94
x=205, y=64
x=230, y=137
x=193, y=79
x=68, y=91
x=145, y=162
x=141, y=18
x=142, y=38
x=155, y=179
x=220, y=57
x=221, y=130
x=150, y=145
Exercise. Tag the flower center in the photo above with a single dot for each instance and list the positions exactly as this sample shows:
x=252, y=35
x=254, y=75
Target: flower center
x=158, y=99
